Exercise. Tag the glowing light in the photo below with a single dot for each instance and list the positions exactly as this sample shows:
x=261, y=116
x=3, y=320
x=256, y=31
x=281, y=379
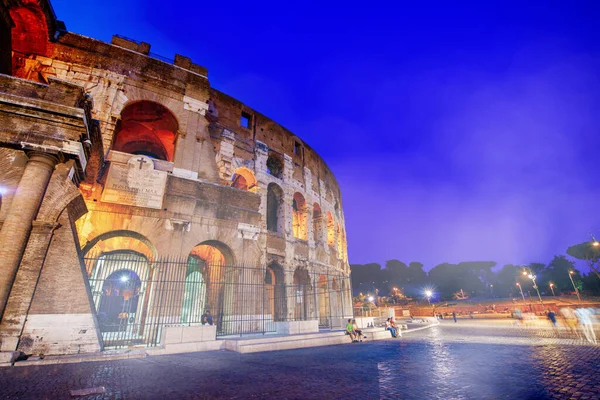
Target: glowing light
x=518, y=284
x=370, y=298
x=428, y=293
x=124, y=278
x=3, y=190
x=596, y=243
x=551, y=284
x=524, y=273
x=571, y=272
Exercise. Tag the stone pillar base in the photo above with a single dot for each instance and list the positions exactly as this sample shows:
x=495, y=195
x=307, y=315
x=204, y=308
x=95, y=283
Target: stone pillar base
x=297, y=327
x=9, y=357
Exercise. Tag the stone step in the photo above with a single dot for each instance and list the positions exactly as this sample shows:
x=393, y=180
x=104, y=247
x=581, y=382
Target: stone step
x=284, y=338
x=299, y=343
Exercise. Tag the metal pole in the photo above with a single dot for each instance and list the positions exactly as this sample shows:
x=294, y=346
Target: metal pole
x=536, y=289
x=552, y=288
x=521, y=289
x=574, y=287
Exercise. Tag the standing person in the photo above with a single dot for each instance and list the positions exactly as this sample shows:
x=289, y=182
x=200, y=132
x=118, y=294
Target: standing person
x=454, y=316
x=584, y=315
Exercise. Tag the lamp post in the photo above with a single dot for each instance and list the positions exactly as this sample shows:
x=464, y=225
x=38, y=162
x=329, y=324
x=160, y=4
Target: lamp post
x=552, y=288
x=428, y=294
x=574, y=287
x=521, y=289
x=532, y=277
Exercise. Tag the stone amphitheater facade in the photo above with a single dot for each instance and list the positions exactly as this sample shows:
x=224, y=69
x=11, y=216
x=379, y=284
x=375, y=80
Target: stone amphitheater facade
x=107, y=149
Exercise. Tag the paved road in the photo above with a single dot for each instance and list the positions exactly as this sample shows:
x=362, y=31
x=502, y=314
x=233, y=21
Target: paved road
x=451, y=361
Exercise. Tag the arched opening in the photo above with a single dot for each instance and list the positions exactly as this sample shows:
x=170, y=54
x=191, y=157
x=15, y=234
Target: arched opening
x=274, y=208
x=146, y=128
x=323, y=296
x=317, y=220
x=301, y=288
x=330, y=229
x=275, y=166
x=118, y=285
x=340, y=241
x=299, y=217
x=207, y=287
x=194, y=293
x=28, y=37
x=244, y=179
x=274, y=294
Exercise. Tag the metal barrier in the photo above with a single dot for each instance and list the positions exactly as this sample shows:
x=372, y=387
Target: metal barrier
x=135, y=297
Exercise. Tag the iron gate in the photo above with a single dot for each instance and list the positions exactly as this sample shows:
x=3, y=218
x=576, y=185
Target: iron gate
x=136, y=297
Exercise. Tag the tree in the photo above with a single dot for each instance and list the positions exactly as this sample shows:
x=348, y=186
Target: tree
x=366, y=278
x=588, y=251
x=505, y=280
x=557, y=272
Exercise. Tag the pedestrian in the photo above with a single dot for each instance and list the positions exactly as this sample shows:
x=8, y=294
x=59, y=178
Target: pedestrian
x=552, y=317
x=454, y=315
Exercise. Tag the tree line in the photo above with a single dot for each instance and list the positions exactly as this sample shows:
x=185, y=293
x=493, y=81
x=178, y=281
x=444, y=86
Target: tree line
x=480, y=278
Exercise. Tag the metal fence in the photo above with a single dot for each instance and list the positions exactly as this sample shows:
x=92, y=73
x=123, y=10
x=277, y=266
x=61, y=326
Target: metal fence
x=135, y=298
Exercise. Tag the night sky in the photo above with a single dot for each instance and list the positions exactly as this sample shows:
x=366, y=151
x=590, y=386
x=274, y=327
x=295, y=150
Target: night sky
x=457, y=131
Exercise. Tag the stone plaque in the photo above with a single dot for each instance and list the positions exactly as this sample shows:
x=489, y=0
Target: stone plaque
x=136, y=183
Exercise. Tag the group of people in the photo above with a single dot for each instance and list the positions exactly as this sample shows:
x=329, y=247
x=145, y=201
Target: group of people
x=352, y=330
x=579, y=322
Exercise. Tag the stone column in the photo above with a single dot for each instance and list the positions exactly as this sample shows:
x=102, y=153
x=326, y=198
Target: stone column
x=23, y=210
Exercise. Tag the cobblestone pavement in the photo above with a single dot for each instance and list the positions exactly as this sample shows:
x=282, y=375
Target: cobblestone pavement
x=450, y=361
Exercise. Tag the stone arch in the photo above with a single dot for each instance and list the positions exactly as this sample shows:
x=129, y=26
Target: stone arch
x=147, y=128
x=330, y=229
x=302, y=289
x=211, y=258
x=317, y=221
x=323, y=299
x=60, y=193
x=274, y=293
x=244, y=179
x=120, y=240
x=275, y=211
x=340, y=245
x=30, y=31
x=299, y=217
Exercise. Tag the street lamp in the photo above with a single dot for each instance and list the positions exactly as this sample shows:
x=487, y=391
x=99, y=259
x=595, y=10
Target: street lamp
x=571, y=272
x=532, y=277
x=552, y=288
x=428, y=294
x=521, y=289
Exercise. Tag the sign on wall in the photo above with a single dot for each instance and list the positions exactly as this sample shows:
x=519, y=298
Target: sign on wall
x=136, y=183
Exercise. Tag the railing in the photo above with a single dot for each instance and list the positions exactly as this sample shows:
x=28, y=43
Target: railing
x=135, y=298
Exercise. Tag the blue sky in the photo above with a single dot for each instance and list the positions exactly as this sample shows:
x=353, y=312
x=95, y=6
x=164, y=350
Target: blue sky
x=458, y=131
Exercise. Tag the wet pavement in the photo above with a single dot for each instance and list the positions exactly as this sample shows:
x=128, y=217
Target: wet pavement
x=450, y=361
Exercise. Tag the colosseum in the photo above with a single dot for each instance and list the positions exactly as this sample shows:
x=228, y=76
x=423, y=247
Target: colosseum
x=135, y=198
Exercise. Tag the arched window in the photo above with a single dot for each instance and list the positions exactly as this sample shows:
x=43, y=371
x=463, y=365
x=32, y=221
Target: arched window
x=317, y=219
x=300, y=217
x=146, y=128
x=274, y=295
x=330, y=229
x=275, y=166
x=340, y=246
x=274, y=208
x=244, y=179
x=29, y=36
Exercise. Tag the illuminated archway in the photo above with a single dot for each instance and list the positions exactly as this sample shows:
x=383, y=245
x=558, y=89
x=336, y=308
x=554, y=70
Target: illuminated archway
x=302, y=288
x=317, y=220
x=207, y=286
x=146, y=128
x=323, y=296
x=29, y=37
x=274, y=295
x=244, y=179
x=299, y=217
x=330, y=229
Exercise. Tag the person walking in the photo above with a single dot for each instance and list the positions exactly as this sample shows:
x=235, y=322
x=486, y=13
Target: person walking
x=454, y=316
